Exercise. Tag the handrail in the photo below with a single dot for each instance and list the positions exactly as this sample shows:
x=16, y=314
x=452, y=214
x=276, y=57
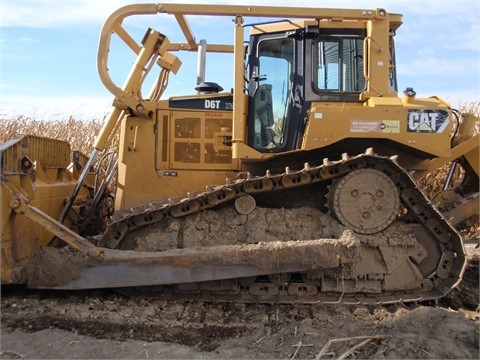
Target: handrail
x=113, y=25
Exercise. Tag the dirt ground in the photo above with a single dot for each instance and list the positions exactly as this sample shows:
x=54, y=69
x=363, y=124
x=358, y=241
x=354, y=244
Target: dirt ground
x=104, y=324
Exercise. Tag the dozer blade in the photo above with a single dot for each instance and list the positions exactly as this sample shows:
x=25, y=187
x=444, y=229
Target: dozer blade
x=67, y=269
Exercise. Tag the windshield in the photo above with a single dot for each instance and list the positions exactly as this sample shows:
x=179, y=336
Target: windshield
x=271, y=100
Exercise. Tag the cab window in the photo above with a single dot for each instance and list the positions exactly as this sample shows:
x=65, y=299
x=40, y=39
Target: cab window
x=339, y=65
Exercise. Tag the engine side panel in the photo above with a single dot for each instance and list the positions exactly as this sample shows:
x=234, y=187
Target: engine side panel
x=179, y=151
x=423, y=126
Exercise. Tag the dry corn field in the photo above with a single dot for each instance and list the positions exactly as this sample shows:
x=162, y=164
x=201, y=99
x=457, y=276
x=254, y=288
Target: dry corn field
x=79, y=133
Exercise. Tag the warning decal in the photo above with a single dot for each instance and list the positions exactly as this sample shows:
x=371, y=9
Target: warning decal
x=385, y=126
x=427, y=121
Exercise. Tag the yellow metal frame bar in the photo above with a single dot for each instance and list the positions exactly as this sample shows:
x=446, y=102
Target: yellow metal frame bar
x=271, y=11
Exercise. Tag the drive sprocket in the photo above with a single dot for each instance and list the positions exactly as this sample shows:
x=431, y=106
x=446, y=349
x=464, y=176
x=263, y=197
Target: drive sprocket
x=365, y=200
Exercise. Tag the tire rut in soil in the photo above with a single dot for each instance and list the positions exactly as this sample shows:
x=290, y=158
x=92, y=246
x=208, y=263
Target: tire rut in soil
x=205, y=339
x=108, y=316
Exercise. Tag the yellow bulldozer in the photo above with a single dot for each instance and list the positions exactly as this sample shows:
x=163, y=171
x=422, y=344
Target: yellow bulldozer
x=297, y=185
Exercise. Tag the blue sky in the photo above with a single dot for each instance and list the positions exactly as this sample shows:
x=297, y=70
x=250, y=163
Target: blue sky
x=48, y=51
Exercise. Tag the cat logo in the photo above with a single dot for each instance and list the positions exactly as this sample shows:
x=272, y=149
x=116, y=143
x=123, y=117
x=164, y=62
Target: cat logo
x=427, y=121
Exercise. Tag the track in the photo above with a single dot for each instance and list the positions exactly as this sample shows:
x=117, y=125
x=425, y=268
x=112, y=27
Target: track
x=409, y=270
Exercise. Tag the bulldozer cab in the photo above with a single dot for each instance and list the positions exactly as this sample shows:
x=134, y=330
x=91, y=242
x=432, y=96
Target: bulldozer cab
x=292, y=64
